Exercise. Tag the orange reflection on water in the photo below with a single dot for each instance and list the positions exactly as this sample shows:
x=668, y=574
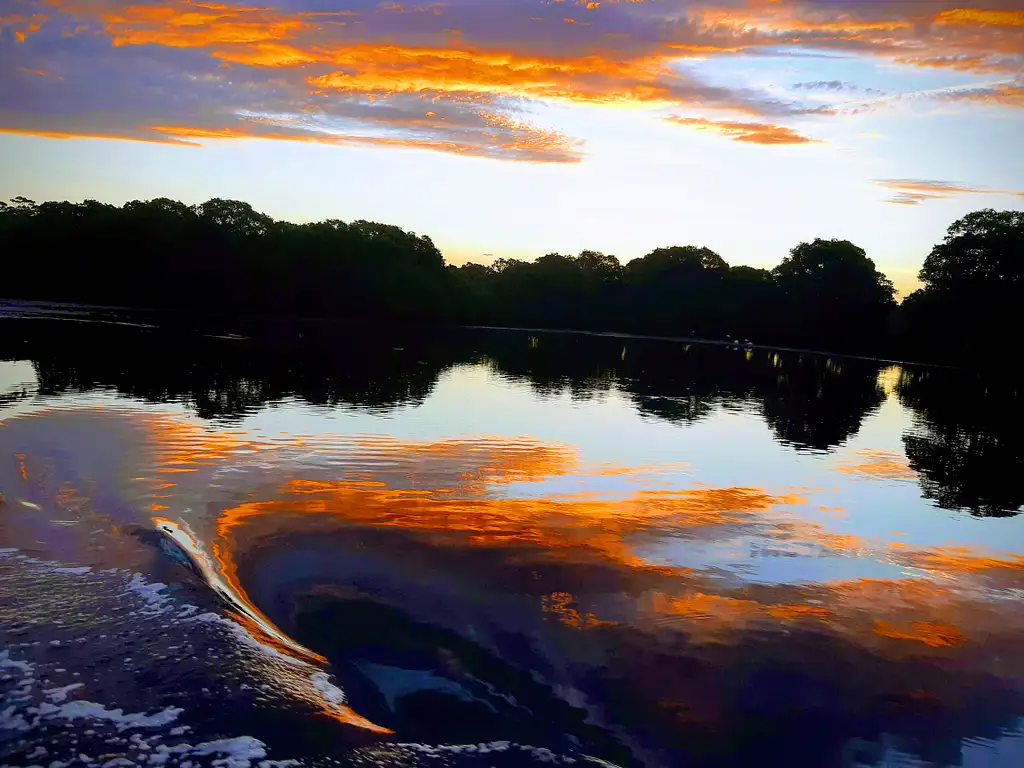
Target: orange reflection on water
x=726, y=612
x=877, y=465
x=560, y=605
x=460, y=494
x=569, y=527
x=937, y=634
x=965, y=560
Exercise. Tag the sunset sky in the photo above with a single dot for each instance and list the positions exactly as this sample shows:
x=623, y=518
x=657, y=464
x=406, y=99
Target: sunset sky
x=520, y=127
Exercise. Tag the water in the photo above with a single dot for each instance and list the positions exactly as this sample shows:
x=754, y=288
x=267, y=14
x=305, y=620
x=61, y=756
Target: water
x=236, y=544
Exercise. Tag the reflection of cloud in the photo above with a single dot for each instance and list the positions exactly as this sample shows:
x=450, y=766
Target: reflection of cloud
x=877, y=465
x=915, y=191
x=439, y=531
x=934, y=633
x=966, y=561
x=753, y=133
x=583, y=529
x=443, y=495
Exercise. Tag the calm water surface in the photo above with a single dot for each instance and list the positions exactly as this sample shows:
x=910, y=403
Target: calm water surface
x=334, y=547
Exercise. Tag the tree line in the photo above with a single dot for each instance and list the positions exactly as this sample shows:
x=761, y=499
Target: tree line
x=223, y=256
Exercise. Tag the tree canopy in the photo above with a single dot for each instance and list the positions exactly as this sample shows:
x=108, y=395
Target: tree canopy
x=973, y=287
x=224, y=256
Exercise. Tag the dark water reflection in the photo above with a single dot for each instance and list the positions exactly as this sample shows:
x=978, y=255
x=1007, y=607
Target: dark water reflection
x=647, y=552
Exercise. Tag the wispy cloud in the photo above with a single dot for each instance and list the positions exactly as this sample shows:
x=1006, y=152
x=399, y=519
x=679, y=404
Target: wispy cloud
x=752, y=133
x=825, y=85
x=375, y=70
x=917, y=191
x=835, y=86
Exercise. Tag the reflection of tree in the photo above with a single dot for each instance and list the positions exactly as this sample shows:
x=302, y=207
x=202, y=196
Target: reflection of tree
x=809, y=401
x=967, y=446
x=819, y=402
x=230, y=377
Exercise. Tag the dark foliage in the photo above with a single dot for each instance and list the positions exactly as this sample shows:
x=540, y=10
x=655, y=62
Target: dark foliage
x=223, y=256
x=973, y=289
x=218, y=256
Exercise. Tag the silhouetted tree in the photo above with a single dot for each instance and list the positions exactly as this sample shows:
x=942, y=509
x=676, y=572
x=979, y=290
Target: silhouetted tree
x=675, y=290
x=834, y=296
x=224, y=256
x=973, y=288
x=219, y=256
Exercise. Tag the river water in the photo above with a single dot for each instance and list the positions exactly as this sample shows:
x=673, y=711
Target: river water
x=266, y=544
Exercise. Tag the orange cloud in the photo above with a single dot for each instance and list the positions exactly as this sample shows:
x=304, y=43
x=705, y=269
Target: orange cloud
x=1002, y=95
x=596, y=67
x=22, y=26
x=193, y=26
x=518, y=138
x=595, y=79
x=39, y=73
x=980, y=16
x=46, y=134
x=788, y=18
x=916, y=191
x=879, y=30
x=753, y=133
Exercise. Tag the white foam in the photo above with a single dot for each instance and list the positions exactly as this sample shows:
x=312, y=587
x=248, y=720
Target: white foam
x=150, y=592
x=240, y=751
x=122, y=721
x=246, y=639
x=12, y=721
x=541, y=754
x=6, y=662
x=332, y=694
x=80, y=571
x=57, y=695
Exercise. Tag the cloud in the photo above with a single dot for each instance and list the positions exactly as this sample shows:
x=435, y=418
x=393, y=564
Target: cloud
x=916, y=191
x=752, y=133
x=1010, y=18
x=834, y=85
x=924, y=34
x=825, y=85
x=1006, y=94
x=370, y=73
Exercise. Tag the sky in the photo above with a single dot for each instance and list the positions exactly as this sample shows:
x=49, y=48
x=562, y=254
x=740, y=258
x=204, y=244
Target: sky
x=514, y=128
